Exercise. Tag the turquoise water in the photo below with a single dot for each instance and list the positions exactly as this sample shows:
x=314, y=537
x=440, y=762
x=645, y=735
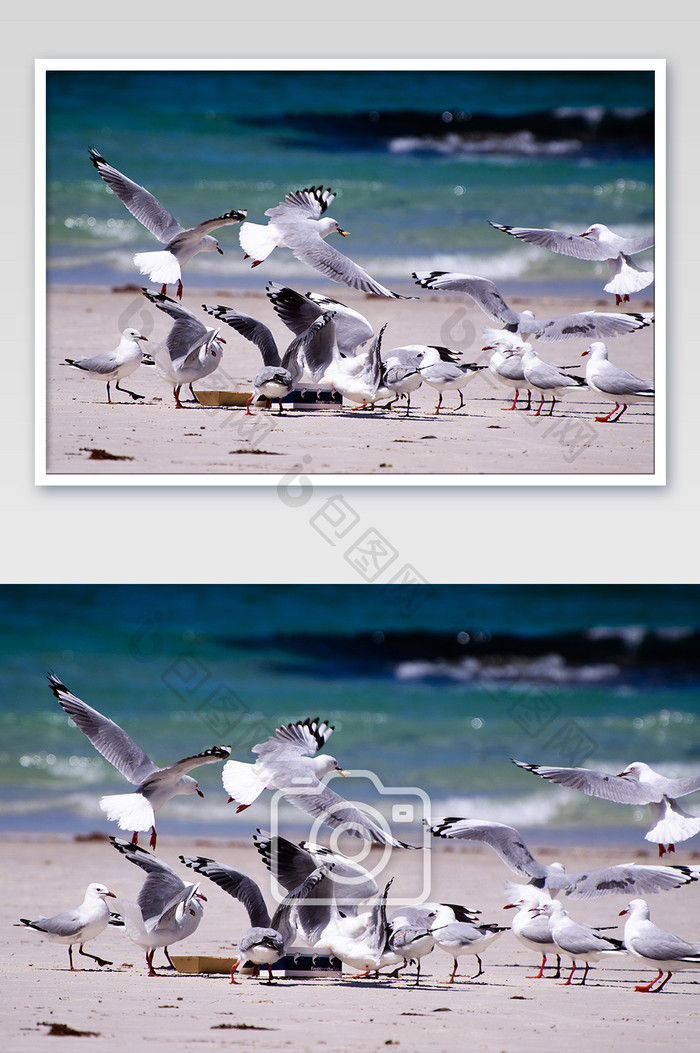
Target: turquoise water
x=433, y=688
x=420, y=162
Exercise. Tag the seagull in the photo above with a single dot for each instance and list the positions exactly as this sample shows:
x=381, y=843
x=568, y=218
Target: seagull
x=181, y=244
x=298, y=311
x=77, y=926
x=610, y=382
x=589, y=324
x=410, y=928
x=126, y=357
x=191, y=350
x=133, y=811
x=546, y=378
x=287, y=762
x=578, y=941
x=298, y=223
x=637, y=784
x=463, y=937
x=402, y=371
x=505, y=363
x=267, y=940
x=532, y=930
x=166, y=910
x=597, y=242
x=508, y=843
x=279, y=375
x=656, y=947
x=441, y=370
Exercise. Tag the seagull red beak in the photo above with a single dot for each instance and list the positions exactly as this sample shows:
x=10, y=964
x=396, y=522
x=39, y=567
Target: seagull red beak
x=200, y=792
x=625, y=911
x=343, y=232
x=200, y=895
x=584, y=353
x=142, y=338
x=219, y=250
x=620, y=774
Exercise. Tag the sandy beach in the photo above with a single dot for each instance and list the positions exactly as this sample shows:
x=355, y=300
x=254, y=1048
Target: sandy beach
x=88, y=438
x=120, y=1006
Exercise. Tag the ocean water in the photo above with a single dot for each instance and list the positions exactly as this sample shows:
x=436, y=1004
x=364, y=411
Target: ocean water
x=419, y=160
x=431, y=689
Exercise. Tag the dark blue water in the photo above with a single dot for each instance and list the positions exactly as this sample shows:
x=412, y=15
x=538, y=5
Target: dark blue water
x=420, y=162
x=432, y=689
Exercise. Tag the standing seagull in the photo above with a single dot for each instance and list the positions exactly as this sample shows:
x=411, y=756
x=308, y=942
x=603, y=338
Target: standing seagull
x=637, y=784
x=505, y=363
x=578, y=941
x=463, y=937
x=441, y=370
x=532, y=930
x=113, y=365
x=597, y=242
x=166, y=910
x=181, y=243
x=191, y=350
x=656, y=947
x=287, y=762
x=279, y=375
x=133, y=811
x=79, y=925
x=590, y=324
x=613, y=383
x=546, y=378
x=298, y=223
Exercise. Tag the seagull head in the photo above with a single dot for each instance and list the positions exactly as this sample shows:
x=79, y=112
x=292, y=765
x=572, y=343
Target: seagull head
x=596, y=350
x=634, y=770
x=328, y=225
x=594, y=231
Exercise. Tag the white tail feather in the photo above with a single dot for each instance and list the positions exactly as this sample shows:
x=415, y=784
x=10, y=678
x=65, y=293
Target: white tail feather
x=242, y=782
x=131, y=810
x=627, y=277
x=159, y=266
x=257, y=240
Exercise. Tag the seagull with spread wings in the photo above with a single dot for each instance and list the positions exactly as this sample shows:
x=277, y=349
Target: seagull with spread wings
x=597, y=242
x=299, y=223
x=181, y=243
x=287, y=762
x=154, y=785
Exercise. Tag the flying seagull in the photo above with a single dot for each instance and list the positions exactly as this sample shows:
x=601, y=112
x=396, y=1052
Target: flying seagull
x=154, y=785
x=597, y=242
x=181, y=243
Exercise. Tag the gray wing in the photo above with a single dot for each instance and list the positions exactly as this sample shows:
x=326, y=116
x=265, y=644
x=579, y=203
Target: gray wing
x=188, y=332
x=250, y=328
x=281, y=917
x=305, y=738
x=352, y=328
x=104, y=363
x=593, y=783
x=659, y=945
x=632, y=878
x=620, y=382
x=173, y=772
x=67, y=923
x=374, y=367
x=236, y=884
x=679, y=787
x=316, y=344
x=161, y=884
x=296, y=311
x=309, y=247
x=377, y=926
x=195, y=234
x=146, y=208
x=107, y=737
x=309, y=203
x=481, y=290
x=332, y=809
x=291, y=864
x=588, y=324
x=504, y=840
x=557, y=241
